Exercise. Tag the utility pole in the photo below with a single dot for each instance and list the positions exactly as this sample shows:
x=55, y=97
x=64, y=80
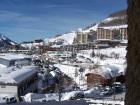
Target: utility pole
x=59, y=86
x=115, y=87
x=97, y=70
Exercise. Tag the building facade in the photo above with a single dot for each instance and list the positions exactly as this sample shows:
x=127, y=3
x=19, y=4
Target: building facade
x=111, y=34
x=81, y=37
x=123, y=32
x=104, y=33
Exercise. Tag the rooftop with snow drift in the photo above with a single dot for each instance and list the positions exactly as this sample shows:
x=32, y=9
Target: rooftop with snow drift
x=16, y=73
x=9, y=56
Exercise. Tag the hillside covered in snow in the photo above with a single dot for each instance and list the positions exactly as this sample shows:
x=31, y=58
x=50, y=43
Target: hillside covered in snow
x=115, y=19
x=64, y=39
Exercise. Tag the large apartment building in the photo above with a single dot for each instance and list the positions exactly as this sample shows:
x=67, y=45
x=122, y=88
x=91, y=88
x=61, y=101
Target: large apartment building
x=109, y=33
x=82, y=37
x=104, y=33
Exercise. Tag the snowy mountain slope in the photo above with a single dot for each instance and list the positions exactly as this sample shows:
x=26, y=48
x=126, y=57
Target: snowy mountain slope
x=94, y=28
x=115, y=19
x=64, y=39
x=4, y=41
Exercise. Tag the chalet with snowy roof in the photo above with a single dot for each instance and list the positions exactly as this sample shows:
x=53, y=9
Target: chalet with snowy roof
x=105, y=75
x=17, y=75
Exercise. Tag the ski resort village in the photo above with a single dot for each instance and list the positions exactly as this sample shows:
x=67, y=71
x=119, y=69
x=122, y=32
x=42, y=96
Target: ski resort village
x=87, y=64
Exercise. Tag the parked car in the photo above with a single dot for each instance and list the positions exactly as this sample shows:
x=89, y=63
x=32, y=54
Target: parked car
x=10, y=100
x=107, y=91
x=93, y=93
x=117, y=87
x=73, y=95
x=77, y=96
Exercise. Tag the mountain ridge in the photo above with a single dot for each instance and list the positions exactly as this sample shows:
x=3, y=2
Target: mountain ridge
x=4, y=41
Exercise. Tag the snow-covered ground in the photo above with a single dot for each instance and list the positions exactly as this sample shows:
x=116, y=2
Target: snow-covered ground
x=32, y=97
x=112, y=64
x=109, y=66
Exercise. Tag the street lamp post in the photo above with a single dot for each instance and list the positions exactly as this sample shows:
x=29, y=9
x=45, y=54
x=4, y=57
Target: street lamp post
x=115, y=87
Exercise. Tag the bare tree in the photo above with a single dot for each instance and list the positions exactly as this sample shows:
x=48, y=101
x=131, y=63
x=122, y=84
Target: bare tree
x=133, y=55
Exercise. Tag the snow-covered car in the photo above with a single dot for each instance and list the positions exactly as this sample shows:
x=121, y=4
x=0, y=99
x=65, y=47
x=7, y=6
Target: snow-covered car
x=107, y=91
x=73, y=95
x=44, y=100
x=117, y=87
x=10, y=100
x=93, y=93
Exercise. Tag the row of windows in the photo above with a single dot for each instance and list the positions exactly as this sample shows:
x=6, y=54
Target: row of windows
x=105, y=34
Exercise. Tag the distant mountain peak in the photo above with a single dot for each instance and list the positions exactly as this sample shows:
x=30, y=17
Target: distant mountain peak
x=4, y=41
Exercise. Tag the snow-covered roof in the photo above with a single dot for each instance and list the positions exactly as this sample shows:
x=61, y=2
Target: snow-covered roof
x=14, y=75
x=109, y=19
x=10, y=56
x=115, y=27
x=30, y=45
x=109, y=71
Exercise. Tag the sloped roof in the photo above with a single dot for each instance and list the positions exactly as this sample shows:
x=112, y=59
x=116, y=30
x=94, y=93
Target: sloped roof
x=14, y=75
